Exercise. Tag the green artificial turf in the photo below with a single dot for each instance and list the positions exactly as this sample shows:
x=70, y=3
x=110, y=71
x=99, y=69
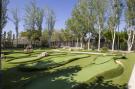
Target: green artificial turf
x=93, y=71
x=103, y=59
x=16, y=55
x=24, y=60
x=128, y=66
x=87, y=72
x=55, y=79
x=67, y=75
x=51, y=62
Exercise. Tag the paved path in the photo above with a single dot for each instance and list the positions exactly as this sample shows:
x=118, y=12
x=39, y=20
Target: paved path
x=96, y=53
x=89, y=53
x=131, y=83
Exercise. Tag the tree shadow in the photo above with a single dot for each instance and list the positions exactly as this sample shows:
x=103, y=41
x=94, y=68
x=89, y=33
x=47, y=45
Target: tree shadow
x=14, y=79
x=45, y=65
x=99, y=83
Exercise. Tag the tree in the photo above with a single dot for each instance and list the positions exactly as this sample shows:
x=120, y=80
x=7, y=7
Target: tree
x=91, y=18
x=108, y=38
x=45, y=38
x=4, y=39
x=79, y=16
x=130, y=19
x=9, y=36
x=13, y=37
x=3, y=19
x=114, y=19
x=56, y=38
x=100, y=7
x=39, y=21
x=50, y=21
x=66, y=36
x=71, y=25
x=30, y=19
x=16, y=20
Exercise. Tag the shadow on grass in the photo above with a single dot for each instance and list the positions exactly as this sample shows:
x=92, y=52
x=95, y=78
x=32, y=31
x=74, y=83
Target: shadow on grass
x=59, y=79
x=100, y=84
x=44, y=65
x=14, y=79
x=10, y=58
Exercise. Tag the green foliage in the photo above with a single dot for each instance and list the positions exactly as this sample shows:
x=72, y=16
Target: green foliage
x=120, y=56
x=108, y=35
x=130, y=15
x=104, y=49
x=4, y=16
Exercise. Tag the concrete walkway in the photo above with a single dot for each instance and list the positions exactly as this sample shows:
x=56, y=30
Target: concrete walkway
x=131, y=83
x=79, y=52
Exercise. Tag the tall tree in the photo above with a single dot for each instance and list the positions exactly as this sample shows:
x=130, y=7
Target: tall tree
x=50, y=21
x=91, y=18
x=30, y=19
x=39, y=20
x=16, y=20
x=114, y=19
x=100, y=8
x=9, y=36
x=4, y=39
x=79, y=15
x=3, y=19
x=130, y=18
x=71, y=25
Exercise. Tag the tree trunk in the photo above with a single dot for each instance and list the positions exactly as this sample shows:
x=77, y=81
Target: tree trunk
x=77, y=43
x=81, y=42
x=16, y=36
x=89, y=43
x=49, y=41
x=99, y=37
x=113, y=40
x=130, y=40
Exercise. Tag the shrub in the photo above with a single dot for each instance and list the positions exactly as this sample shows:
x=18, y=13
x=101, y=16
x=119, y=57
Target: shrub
x=104, y=49
x=120, y=56
x=93, y=48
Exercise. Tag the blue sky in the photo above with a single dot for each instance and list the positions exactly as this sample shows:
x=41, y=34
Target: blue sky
x=62, y=9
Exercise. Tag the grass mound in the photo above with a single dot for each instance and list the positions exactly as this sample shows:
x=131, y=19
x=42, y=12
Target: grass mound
x=51, y=62
x=84, y=75
x=107, y=70
x=13, y=56
x=24, y=60
x=102, y=59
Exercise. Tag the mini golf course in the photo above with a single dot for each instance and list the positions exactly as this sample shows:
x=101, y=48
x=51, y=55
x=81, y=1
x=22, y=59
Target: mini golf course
x=63, y=70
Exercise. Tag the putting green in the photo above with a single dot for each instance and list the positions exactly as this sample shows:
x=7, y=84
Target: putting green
x=92, y=71
x=52, y=61
x=102, y=59
x=24, y=60
x=88, y=73
x=16, y=55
